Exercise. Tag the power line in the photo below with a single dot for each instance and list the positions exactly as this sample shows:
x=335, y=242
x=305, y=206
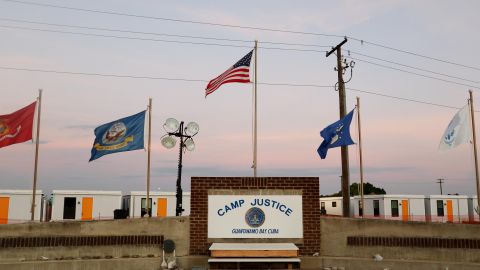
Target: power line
x=262, y=47
x=160, y=34
x=412, y=67
x=100, y=74
x=415, y=54
x=170, y=19
x=238, y=46
x=413, y=73
x=244, y=27
x=156, y=40
x=150, y=77
x=226, y=39
x=122, y=37
x=402, y=98
x=205, y=81
x=229, y=45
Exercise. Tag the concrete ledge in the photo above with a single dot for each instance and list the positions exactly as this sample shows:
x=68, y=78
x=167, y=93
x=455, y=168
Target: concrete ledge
x=369, y=264
x=100, y=264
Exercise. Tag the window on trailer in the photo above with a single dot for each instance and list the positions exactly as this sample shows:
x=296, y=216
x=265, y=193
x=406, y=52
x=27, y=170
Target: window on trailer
x=360, y=208
x=394, y=204
x=144, y=206
x=334, y=204
x=376, y=208
x=440, y=212
x=126, y=205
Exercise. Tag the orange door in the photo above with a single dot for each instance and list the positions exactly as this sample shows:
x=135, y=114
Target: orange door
x=87, y=207
x=405, y=213
x=449, y=211
x=162, y=207
x=4, y=202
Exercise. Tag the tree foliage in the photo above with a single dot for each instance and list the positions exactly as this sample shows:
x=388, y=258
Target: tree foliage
x=368, y=189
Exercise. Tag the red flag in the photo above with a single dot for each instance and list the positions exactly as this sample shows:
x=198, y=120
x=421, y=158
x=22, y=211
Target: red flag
x=17, y=127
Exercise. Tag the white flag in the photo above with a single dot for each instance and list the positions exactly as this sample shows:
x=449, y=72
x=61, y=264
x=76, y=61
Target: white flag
x=458, y=130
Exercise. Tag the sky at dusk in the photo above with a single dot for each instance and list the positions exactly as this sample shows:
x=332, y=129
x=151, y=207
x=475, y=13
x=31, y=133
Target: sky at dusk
x=400, y=137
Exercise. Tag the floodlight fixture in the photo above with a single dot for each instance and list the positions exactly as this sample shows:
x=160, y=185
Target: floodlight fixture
x=186, y=134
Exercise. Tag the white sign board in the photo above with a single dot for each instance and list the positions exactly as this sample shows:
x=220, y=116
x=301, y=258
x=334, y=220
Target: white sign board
x=255, y=216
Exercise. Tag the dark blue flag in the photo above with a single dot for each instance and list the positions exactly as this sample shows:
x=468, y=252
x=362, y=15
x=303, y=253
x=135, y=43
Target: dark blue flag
x=124, y=134
x=336, y=134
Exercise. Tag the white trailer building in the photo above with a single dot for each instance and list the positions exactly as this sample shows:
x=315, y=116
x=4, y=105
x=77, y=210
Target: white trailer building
x=447, y=208
x=15, y=206
x=473, y=209
x=162, y=203
x=331, y=206
x=84, y=204
x=394, y=207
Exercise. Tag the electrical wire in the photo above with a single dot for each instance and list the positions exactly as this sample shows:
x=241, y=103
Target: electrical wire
x=153, y=39
x=402, y=98
x=205, y=81
x=122, y=37
x=169, y=19
x=159, y=34
x=412, y=67
x=413, y=73
x=243, y=46
x=415, y=54
x=362, y=41
x=226, y=45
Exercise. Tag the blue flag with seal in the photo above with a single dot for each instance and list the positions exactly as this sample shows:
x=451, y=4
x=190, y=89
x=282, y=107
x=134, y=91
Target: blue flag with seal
x=336, y=134
x=122, y=135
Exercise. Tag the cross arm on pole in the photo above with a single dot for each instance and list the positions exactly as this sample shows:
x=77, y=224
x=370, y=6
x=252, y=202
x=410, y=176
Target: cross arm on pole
x=336, y=47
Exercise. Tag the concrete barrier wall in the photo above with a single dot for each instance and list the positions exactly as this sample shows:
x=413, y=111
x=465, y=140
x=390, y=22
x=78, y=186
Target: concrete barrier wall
x=336, y=230
x=174, y=228
x=335, y=251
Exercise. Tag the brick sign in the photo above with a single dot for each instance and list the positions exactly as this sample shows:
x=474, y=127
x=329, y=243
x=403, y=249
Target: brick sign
x=306, y=187
x=255, y=216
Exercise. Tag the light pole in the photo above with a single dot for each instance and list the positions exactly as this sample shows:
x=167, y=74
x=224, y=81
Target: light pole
x=176, y=129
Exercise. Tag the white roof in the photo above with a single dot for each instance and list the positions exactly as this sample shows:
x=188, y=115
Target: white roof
x=19, y=191
x=331, y=198
x=447, y=197
x=157, y=193
x=86, y=192
x=253, y=246
x=392, y=196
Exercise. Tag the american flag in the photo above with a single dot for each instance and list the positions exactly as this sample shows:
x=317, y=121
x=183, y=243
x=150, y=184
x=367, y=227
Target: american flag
x=239, y=73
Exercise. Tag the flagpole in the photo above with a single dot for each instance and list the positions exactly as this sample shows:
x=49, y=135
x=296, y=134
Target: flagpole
x=255, y=114
x=475, y=149
x=35, y=170
x=361, y=156
x=148, y=154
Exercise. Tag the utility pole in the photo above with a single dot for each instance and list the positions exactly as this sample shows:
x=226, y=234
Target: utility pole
x=440, y=181
x=343, y=112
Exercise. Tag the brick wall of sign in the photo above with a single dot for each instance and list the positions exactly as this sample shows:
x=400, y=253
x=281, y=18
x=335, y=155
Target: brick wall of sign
x=199, y=206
